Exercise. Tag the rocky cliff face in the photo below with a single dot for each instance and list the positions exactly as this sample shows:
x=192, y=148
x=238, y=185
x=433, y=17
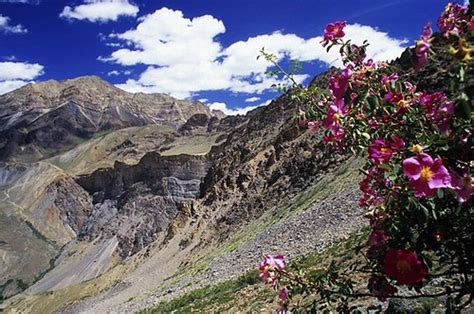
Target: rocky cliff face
x=42, y=119
x=136, y=202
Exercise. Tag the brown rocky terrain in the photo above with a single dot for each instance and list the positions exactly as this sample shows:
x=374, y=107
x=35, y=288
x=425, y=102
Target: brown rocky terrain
x=39, y=120
x=147, y=212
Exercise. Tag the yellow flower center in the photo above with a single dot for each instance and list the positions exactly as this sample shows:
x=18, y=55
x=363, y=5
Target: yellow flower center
x=402, y=104
x=337, y=117
x=426, y=173
x=403, y=267
x=417, y=148
x=385, y=150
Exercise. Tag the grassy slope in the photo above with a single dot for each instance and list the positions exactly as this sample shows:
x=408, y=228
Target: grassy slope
x=247, y=293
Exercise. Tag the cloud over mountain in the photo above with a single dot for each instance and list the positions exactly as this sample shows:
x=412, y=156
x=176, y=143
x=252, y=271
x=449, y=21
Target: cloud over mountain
x=16, y=74
x=185, y=56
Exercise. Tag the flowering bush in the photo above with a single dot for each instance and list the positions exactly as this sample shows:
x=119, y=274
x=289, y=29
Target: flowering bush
x=417, y=186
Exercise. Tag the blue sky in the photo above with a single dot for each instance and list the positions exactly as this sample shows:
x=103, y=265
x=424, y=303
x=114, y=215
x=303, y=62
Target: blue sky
x=196, y=49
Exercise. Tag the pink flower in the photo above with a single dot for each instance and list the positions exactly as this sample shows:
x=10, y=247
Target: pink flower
x=422, y=46
x=382, y=150
x=336, y=136
x=411, y=88
x=333, y=31
x=339, y=82
x=358, y=54
x=404, y=266
x=453, y=20
x=386, y=80
x=335, y=113
x=283, y=295
x=439, y=110
x=463, y=186
x=269, y=267
x=393, y=98
x=426, y=175
x=314, y=125
x=283, y=298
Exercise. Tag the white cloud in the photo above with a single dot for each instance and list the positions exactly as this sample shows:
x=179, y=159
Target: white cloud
x=100, y=10
x=6, y=27
x=184, y=56
x=117, y=73
x=234, y=111
x=19, y=71
x=228, y=111
x=252, y=99
x=16, y=74
x=8, y=86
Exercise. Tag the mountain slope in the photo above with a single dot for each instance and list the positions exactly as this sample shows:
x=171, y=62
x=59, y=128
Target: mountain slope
x=178, y=208
x=42, y=119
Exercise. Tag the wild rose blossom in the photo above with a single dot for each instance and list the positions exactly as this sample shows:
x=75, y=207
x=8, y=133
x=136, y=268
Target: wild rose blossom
x=426, y=175
x=463, y=186
x=411, y=88
x=386, y=80
x=438, y=109
x=335, y=137
x=335, y=113
x=339, y=83
x=393, y=97
x=269, y=267
x=283, y=298
x=454, y=19
x=333, y=32
x=377, y=239
x=404, y=266
x=314, y=125
x=382, y=150
x=422, y=47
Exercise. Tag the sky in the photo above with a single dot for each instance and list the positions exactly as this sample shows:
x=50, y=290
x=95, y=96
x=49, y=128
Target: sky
x=194, y=49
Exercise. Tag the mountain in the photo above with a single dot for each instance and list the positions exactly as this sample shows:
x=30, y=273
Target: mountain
x=39, y=120
x=161, y=188
x=171, y=198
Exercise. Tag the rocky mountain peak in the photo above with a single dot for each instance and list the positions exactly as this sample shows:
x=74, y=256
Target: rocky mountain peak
x=46, y=117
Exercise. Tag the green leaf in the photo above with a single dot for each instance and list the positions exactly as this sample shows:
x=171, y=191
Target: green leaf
x=426, y=211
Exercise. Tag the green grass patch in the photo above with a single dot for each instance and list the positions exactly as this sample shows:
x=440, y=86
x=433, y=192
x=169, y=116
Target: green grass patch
x=38, y=234
x=201, y=298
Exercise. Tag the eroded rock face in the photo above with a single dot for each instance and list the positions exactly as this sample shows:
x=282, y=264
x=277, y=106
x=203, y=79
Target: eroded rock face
x=134, y=202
